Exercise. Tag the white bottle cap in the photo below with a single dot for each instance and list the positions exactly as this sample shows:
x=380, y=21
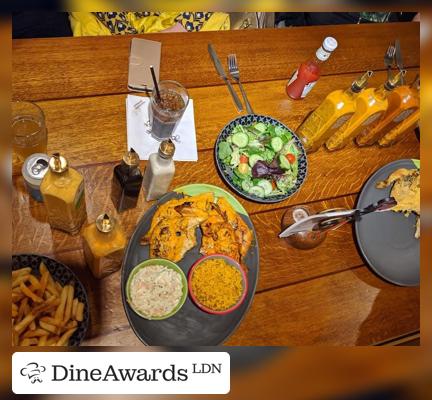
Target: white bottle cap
x=330, y=44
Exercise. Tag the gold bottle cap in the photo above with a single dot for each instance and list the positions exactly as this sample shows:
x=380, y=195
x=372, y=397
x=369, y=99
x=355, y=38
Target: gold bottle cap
x=131, y=158
x=167, y=149
x=58, y=163
x=395, y=80
x=359, y=84
x=105, y=223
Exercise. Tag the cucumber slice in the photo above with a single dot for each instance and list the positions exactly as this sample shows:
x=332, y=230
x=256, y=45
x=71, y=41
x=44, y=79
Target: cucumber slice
x=276, y=143
x=240, y=139
x=257, y=191
x=284, y=163
x=246, y=185
x=260, y=127
x=254, y=158
x=266, y=185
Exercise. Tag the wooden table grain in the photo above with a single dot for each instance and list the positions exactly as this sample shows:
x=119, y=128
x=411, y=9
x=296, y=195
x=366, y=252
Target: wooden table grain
x=321, y=296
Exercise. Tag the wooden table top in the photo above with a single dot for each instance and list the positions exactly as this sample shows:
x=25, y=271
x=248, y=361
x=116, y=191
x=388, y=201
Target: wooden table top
x=321, y=296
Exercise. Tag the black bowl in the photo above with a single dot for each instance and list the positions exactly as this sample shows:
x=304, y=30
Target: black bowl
x=64, y=275
x=226, y=172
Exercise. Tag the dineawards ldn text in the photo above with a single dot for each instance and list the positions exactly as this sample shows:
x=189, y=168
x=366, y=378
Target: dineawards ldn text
x=112, y=374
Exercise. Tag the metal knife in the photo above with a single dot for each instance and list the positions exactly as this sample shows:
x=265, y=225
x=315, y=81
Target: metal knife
x=220, y=70
x=398, y=57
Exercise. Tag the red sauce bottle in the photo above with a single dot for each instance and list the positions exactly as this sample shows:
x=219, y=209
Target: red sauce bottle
x=305, y=77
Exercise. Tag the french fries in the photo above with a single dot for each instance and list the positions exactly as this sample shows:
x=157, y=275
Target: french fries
x=44, y=313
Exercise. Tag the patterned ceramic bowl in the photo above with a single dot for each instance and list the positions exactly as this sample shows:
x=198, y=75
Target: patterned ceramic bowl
x=227, y=172
x=64, y=275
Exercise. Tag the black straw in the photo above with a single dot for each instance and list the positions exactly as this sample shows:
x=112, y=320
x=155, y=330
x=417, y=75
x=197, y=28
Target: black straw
x=155, y=83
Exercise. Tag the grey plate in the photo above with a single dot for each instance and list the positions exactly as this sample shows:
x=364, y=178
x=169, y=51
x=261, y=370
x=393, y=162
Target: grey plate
x=386, y=240
x=226, y=172
x=190, y=326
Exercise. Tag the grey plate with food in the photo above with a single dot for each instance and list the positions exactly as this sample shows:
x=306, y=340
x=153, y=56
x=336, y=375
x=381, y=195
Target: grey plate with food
x=190, y=326
x=387, y=240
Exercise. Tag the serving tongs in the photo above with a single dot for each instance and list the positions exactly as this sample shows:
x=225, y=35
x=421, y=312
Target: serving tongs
x=333, y=219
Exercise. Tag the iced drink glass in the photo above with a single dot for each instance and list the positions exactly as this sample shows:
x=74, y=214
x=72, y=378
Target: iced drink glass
x=166, y=111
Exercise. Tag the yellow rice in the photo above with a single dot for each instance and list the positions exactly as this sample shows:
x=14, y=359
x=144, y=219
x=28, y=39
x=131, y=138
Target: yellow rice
x=216, y=284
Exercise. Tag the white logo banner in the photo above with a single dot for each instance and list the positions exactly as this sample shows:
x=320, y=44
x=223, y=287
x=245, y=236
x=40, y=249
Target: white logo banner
x=121, y=373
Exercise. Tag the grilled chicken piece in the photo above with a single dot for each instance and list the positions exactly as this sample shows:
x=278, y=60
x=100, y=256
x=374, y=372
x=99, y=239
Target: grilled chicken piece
x=178, y=207
x=242, y=231
x=219, y=238
x=406, y=191
x=395, y=175
x=173, y=237
x=172, y=231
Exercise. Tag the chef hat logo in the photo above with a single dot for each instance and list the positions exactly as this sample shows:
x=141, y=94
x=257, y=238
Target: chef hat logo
x=33, y=371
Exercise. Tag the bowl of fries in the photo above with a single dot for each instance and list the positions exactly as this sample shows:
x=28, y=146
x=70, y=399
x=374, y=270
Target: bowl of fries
x=49, y=303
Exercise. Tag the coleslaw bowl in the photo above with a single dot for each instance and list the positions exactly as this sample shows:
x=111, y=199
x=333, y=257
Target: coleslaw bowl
x=165, y=263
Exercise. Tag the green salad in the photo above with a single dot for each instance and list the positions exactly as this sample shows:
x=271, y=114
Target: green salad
x=262, y=159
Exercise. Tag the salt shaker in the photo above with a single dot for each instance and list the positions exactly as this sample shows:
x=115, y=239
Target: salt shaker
x=159, y=171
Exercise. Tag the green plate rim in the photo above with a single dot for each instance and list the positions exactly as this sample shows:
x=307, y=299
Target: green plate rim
x=166, y=263
x=192, y=189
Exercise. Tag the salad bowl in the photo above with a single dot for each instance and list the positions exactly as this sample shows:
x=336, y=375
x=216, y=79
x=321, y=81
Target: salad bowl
x=260, y=158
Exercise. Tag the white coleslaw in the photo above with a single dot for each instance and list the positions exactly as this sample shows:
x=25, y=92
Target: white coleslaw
x=156, y=290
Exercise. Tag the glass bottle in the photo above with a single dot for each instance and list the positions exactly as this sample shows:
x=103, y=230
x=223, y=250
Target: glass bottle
x=62, y=189
x=127, y=181
x=370, y=106
x=104, y=242
x=159, y=171
x=307, y=75
x=400, y=130
x=402, y=102
x=336, y=109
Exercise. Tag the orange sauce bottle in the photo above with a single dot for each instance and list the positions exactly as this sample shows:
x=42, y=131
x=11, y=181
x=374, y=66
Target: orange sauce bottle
x=402, y=102
x=370, y=106
x=104, y=242
x=336, y=109
x=399, y=131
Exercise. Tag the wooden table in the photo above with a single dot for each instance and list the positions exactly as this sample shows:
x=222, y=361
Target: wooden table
x=321, y=296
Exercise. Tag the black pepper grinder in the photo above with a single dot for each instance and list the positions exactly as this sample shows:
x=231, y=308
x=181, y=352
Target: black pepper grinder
x=126, y=182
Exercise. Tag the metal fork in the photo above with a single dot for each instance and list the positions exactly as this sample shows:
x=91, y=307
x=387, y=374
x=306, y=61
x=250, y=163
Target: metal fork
x=389, y=59
x=235, y=73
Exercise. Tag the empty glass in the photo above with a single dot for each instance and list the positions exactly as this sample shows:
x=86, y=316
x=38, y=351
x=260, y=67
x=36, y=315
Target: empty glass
x=29, y=133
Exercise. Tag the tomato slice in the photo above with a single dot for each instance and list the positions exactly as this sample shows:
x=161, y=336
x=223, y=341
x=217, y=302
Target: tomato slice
x=244, y=159
x=291, y=158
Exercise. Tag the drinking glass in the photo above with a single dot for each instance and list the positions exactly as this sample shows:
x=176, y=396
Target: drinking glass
x=29, y=133
x=166, y=112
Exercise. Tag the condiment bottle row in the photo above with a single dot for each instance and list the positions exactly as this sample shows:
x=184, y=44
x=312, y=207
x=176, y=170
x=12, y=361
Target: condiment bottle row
x=370, y=116
x=61, y=188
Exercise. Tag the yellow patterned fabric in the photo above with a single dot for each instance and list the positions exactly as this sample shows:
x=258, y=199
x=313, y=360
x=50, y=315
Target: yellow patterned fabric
x=193, y=21
x=127, y=22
